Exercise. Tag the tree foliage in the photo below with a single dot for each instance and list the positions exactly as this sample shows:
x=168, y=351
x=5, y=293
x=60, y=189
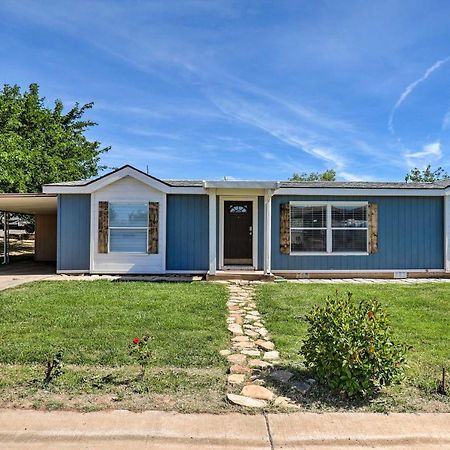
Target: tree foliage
x=328, y=175
x=41, y=145
x=426, y=175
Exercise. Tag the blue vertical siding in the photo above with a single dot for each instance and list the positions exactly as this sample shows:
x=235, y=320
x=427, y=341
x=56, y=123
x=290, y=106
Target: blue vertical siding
x=410, y=236
x=73, y=234
x=187, y=232
x=260, y=233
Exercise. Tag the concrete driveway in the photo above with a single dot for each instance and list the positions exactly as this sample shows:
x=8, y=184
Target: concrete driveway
x=165, y=430
x=17, y=273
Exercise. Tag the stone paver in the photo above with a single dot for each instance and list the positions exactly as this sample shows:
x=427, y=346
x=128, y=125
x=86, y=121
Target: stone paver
x=253, y=358
x=368, y=280
x=282, y=376
x=258, y=392
x=250, y=339
x=243, y=400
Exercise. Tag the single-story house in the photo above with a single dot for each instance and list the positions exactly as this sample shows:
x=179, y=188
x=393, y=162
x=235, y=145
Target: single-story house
x=129, y=222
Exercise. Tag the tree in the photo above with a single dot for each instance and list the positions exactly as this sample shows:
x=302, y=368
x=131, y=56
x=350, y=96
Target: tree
x=426, y=175
x=328, y=175
x=41, y=145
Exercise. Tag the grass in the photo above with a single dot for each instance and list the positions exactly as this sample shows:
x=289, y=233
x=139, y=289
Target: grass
x=420, y=317
x=94, y=323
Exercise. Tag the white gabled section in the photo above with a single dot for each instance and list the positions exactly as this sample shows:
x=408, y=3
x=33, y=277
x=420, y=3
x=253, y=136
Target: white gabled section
x=125, y=190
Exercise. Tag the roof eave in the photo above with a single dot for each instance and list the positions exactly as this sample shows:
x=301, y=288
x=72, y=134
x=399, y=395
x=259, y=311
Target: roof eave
x=232, y=184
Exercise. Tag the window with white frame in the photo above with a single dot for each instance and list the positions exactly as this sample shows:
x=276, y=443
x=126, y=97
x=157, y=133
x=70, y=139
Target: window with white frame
x=128, y=227
x=335, y=227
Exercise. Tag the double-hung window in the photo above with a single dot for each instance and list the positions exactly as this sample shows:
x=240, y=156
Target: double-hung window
x=309, y=228
x=128, y=227
x=329, y=228
x=349, y=228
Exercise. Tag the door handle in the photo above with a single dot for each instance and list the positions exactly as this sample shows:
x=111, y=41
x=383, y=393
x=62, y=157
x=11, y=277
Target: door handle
x=250, y=230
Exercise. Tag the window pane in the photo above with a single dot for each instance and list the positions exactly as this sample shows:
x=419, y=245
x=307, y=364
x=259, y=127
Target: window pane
x=238, y=209
x=128, y=214
x=309, y=240
x=349, y=241
x=349, y=216
x=308, y=216
x=133, y=241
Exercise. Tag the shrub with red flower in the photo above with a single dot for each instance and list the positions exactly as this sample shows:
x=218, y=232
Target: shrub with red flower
x=140, y=351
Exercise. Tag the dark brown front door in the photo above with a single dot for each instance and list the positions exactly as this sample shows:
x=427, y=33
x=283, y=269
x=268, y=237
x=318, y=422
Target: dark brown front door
x=238, y=232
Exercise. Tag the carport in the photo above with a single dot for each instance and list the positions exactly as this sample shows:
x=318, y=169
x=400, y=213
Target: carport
x=44, y=209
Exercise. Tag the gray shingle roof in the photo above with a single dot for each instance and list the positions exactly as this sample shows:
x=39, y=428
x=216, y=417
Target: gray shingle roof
x=289, y=184
x=184, y=183
x=69, y=183
x=363, y=184
x=301, y=184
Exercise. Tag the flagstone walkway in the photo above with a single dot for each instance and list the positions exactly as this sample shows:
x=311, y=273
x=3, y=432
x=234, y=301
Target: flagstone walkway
x=252, y=355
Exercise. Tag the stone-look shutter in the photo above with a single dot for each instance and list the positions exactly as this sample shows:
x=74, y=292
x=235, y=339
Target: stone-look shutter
x=373, y=227
x=103, y=210
x=153, y=222
x=285, y=232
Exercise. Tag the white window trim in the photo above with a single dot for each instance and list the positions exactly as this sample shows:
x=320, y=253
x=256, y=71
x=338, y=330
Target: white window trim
x=144, y=253
x=329, y=228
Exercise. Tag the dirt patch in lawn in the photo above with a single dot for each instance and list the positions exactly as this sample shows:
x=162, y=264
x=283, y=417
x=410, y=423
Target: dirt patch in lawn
x=87, y=388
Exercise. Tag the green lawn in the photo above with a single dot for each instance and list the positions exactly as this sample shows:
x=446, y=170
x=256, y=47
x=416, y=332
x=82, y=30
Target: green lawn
x=94, y=323
x=420, y=316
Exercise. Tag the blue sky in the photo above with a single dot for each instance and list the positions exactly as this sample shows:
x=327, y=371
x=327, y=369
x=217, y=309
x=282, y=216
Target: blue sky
x=245, y=89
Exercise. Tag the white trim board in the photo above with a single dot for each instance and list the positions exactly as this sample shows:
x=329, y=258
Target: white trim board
x=358, y=271
x=254, y=200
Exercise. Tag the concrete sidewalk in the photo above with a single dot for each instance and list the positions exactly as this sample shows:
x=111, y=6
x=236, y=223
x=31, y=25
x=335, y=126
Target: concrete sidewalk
x=21, y=429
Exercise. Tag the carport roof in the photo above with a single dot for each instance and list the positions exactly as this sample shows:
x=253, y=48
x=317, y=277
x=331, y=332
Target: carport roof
x=29, y=203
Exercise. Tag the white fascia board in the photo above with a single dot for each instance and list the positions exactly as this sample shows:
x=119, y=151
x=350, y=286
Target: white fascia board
x=362, y=192
x=223, y=184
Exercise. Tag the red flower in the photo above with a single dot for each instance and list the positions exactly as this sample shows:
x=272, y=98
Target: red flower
x=370, y=314
x=136, y=341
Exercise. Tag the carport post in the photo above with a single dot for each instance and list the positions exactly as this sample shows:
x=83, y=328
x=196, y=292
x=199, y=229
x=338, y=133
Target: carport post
x=5, y=237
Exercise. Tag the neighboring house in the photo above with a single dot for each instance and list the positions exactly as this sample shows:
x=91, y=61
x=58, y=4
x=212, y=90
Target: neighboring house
x=130, y=222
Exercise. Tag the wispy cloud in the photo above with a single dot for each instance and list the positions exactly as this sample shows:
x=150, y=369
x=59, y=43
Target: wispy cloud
x=313, y=135
x=429, y=153
x=410, y=88
x=446, y=121
x=246, y=91
x=146, y=132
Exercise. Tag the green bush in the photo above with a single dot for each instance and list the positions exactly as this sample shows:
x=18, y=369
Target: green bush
x=350, y=348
